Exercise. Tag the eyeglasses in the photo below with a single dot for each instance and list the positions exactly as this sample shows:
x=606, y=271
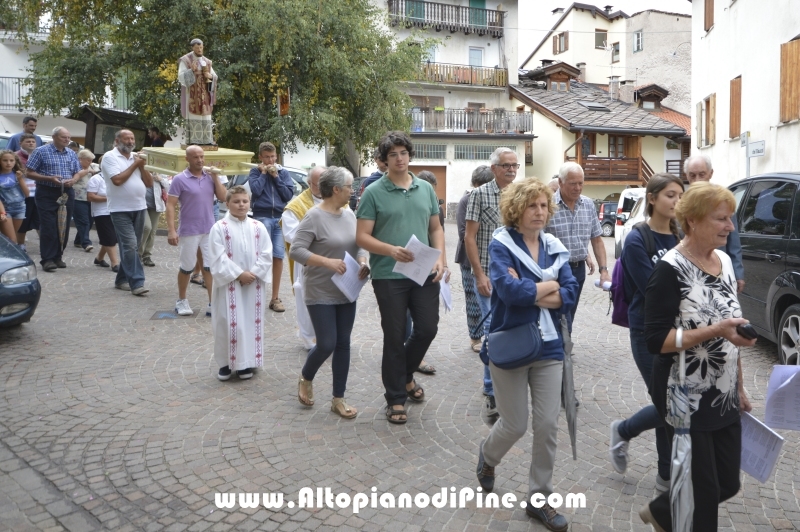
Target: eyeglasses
x=394, y=154
x=509, y=166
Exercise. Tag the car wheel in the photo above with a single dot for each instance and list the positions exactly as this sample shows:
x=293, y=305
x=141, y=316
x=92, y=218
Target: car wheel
x=789, y=339
x=608, y=229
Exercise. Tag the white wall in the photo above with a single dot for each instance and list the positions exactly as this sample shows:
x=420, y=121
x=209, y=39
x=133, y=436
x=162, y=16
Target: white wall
x=653, y=151
x=745, y=40
x=548, y=148
x=306, y=157
x=655, y=63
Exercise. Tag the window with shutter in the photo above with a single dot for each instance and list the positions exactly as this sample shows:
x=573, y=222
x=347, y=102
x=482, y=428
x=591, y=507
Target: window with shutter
x=790, y=80
x=555, y=44
x=711, y=115
x=566, y=41
x=735, y=126
x=698, y=125
x=708, y=20
x=707, y=121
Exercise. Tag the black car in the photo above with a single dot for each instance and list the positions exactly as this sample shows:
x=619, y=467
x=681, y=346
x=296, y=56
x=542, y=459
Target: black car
x=607, y=214
x=768, y=214
x=19, y=288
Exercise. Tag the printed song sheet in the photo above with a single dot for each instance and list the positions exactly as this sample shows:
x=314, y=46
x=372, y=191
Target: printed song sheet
x=761, y=447
x=424, y=259
x=783, y=398
x=447, y=296
x=349, y=283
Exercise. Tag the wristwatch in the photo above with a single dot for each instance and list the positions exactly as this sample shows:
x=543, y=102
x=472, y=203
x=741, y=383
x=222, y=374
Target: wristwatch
x=602, y=268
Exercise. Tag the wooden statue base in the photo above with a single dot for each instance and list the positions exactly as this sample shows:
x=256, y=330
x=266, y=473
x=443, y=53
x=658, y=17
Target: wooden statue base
x=171, y=161
x=206, y=147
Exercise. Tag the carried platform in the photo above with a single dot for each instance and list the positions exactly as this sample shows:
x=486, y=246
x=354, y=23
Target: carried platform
x=172, y=161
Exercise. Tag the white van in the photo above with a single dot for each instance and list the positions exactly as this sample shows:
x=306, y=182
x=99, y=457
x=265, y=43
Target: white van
x=627, y=200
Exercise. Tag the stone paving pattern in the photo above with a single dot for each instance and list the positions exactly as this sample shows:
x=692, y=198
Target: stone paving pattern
x=110, y=420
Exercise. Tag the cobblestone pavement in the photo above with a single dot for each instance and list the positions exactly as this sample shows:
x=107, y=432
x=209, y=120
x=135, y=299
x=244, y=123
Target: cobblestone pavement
x=111, y=420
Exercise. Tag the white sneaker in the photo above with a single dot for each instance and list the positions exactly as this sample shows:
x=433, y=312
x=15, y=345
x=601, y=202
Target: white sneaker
x=208, y=310
x=182, y=307
x=618, y=449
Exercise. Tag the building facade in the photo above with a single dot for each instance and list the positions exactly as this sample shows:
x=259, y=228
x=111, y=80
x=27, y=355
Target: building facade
x=746, y=77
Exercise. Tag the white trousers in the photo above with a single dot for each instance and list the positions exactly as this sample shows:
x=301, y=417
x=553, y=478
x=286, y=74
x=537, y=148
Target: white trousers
x=306, y=328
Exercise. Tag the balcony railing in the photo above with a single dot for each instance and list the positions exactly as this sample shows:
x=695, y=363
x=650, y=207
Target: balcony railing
x=12, y=94
x=463, y=75
x=602, y=169
x=420, y=14
x=14, y=90
x=470, y=121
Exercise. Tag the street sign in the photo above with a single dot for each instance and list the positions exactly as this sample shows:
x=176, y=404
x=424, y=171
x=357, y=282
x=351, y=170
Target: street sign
x=756, y=149
x=743, y=138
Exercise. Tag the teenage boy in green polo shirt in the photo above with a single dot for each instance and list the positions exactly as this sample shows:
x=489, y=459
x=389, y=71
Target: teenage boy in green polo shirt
x=395, y=207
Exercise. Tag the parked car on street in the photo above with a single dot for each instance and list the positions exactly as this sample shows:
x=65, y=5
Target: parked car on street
x=627, y=200
x=19, y=288
x=607, y=214
x=768, y=214
x=47, y=139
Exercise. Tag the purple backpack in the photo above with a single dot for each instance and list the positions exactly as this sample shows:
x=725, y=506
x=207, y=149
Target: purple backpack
x=619, y=299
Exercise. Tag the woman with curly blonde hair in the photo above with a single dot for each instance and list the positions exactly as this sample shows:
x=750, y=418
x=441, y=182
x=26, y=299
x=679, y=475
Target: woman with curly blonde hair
x=532, y=284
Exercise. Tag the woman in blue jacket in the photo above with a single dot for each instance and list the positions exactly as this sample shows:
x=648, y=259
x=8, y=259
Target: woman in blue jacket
x=530, y=274
x=662, y=195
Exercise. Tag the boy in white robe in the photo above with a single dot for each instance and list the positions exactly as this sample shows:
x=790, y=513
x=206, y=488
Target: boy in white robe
x=241, y=251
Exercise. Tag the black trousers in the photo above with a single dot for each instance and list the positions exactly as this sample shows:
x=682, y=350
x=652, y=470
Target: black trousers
x=716, y=457
x=49, y=244
x=401, y=358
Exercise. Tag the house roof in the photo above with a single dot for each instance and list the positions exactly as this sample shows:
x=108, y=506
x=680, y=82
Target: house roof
x=570, y=110
x=662, y=13
x=676, y=117
x=651, y=89
x=576, y=5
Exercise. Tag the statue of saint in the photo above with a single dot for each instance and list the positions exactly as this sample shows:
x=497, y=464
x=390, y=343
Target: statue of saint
x=198, y=94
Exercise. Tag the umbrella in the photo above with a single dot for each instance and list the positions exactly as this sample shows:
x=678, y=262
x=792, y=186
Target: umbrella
x=568, y=387
x=62, y=217
x=681, y=494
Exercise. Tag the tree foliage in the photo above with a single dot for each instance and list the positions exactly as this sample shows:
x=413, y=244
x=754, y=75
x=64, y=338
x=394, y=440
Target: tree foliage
x=337, y=58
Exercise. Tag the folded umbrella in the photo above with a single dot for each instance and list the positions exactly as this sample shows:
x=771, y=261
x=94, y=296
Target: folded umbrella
x=568, y=388
x=62, y=217
x=681, y=494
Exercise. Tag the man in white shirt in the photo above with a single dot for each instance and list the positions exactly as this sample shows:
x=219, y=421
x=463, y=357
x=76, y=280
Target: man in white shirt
x=127, y=182
x=295, y=211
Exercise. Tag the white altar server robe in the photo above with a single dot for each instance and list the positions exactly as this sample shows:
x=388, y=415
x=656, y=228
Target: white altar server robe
x=237, y=311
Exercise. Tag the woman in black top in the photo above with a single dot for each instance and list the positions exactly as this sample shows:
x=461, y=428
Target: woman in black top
x=691, y=304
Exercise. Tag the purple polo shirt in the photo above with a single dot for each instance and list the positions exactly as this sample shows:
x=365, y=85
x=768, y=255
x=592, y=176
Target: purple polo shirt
x=196, y=196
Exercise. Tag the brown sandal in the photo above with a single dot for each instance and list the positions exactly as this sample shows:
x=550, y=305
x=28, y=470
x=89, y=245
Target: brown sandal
x=339, y=406
x=306, y=387
x=391, y=411
x=412, y=393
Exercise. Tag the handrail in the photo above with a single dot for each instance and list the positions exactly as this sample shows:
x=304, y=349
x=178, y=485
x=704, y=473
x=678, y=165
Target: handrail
x=423, y=14
x=462, y=74
x=470, y=120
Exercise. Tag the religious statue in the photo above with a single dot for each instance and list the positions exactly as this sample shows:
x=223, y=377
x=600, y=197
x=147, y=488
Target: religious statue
x=198, y=94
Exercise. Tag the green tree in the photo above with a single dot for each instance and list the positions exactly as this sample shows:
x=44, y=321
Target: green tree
x=337, y=59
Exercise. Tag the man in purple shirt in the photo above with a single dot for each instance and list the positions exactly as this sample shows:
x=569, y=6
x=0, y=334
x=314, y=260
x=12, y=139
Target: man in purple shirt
x=195, y=189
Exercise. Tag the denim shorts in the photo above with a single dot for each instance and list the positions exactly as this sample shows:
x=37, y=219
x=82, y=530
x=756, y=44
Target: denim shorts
x=16, y=210
x=273, y=226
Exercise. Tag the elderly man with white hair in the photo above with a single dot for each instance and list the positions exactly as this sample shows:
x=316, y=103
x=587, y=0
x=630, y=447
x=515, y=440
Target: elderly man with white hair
x=698, y=168
x=575, y=224
x=483, y=217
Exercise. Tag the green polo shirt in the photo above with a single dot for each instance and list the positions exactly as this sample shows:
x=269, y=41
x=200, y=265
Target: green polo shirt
x=398, y=213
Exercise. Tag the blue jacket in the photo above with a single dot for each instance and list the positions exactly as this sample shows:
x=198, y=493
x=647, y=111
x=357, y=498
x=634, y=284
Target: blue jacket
x=270, y=194
x=513, y=300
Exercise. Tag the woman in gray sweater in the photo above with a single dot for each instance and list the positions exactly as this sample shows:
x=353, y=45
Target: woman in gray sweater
x=327, y=232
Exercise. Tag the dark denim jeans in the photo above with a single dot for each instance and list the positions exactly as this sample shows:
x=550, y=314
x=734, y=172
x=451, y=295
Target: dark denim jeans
x=82, y=214
x=332, y=325
x=648, y=417
x=402, y=358
x=486, y=310
x=129, y=227
x=50, y=246
x=579, y=272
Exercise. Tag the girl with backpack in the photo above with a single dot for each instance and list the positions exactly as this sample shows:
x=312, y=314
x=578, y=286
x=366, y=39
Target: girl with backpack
x=643, y=248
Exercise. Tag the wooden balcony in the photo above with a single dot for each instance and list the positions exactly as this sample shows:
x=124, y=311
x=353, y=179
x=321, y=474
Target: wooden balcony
x=498, y=121
x=462, y=75
x=433, y=15
x=608, y=171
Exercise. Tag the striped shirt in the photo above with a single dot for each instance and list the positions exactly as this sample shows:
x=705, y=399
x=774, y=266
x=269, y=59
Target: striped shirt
x=49, y=161
x=575, y=228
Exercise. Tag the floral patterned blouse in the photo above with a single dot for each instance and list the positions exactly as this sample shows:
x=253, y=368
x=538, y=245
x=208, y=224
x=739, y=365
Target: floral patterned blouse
x=681, y=294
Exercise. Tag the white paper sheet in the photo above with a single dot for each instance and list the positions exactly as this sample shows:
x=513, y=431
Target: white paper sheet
x=447, y=296
x=349, y=283
x=783, y=398
x=424, y=259
x=761, y=447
